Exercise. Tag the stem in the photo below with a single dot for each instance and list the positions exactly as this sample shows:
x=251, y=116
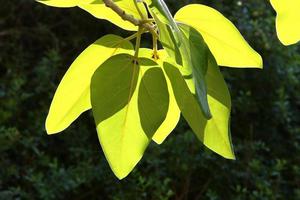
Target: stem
x=127, y=17
x=138, y=43
x=131, y=37
x=138, y=9
x=155, y=52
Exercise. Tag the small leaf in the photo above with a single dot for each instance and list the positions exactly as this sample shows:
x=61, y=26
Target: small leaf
x=123, y=130
x=173, y=114
x=222, y=37
x=287, y=20
x=214, y=133
x=153, y=100
x=72, y=96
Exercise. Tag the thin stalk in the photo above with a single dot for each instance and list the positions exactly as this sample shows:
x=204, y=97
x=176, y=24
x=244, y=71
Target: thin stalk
x=138, y=42
x=155, y=48
x=138, y=9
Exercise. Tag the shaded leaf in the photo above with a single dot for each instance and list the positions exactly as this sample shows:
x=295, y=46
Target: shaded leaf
x=173, y=114
x=153, y=100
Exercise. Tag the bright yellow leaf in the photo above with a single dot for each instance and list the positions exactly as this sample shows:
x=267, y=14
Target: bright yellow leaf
x=98, y=9
x=222, y=37
x=287, y=20
x=72, y=96
x=60, y=3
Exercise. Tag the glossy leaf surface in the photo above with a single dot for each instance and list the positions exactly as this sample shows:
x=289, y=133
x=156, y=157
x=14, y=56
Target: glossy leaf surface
x=222, y=37
x=72, y=96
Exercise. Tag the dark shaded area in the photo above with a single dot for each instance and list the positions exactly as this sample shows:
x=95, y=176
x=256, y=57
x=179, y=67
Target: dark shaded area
x=38, y=43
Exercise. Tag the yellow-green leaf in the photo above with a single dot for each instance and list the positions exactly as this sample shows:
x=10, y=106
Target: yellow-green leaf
x=173, y=114
x=287, y=20
x=98, y=9
x=124, y=130
x=222, y=37
x=60, y=3
x=72, y=96
x=214, y=133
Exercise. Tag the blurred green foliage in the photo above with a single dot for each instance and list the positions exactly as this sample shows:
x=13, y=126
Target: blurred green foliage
x=38, y=43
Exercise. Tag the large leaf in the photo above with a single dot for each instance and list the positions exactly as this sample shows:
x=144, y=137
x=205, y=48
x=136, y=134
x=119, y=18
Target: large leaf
x=214, y=133
x=72, y=96
x=222, y=37
x=98, y=9
x=121, y=91
x=173, y=114
x=184, y=52
x=287, y=20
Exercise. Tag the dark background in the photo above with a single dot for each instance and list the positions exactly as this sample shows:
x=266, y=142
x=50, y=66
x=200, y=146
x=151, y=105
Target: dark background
x=37, y=45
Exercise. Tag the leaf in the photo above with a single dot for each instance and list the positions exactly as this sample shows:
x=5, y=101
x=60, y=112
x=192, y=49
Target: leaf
x=197, y=52
x=223, y=39
x=118, y=95
x=173, y=114
x=98, y=9
x=72, y=96
x=179, y=47
x=153, y=100
x=60, y=3
x=214, y=133
x=287, y=20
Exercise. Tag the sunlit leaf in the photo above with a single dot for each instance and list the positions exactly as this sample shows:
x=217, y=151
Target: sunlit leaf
x=120, y=88
x=214, y=133
x=222, y=37
x=98, y=9
x=287, y=20
x=60, y=3
x=72, y=96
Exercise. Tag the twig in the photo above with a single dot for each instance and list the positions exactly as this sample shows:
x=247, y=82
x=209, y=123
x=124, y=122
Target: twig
x=128, y=17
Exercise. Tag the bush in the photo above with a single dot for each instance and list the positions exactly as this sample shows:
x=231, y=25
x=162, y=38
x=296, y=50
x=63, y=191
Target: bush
x=37, y=44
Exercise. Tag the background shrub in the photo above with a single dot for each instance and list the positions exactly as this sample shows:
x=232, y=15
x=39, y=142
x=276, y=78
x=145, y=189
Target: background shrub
x=38, y=43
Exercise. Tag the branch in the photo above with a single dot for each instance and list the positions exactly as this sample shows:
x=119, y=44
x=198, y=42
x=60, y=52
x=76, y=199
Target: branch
x=127, y=17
